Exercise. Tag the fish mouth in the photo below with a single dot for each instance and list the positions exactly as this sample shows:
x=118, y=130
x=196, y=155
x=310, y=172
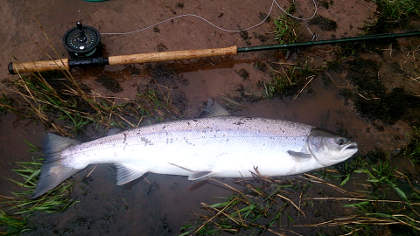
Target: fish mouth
x=350, y=146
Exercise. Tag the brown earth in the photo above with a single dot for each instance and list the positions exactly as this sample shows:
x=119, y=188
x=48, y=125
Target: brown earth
x=159, y=205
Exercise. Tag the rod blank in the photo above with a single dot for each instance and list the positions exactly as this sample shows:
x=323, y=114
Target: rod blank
x=65, y=64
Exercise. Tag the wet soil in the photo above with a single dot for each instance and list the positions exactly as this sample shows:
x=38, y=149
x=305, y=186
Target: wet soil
x=160, y=205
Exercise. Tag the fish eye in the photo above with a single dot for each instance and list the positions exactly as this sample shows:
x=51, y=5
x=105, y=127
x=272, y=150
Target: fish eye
x=341, y=141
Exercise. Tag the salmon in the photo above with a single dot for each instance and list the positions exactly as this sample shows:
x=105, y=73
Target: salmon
x=224, y=146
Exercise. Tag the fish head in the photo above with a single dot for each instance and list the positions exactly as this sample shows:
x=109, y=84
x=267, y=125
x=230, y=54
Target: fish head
x=329, y=149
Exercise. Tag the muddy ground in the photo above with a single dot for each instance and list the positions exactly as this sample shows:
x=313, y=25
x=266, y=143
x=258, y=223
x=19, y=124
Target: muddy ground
x=160, y=205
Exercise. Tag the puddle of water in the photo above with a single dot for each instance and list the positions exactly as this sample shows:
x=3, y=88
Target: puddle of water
x=13, y=137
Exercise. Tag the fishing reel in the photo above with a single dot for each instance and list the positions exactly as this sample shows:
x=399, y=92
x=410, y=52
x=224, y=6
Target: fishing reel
x=82, y=41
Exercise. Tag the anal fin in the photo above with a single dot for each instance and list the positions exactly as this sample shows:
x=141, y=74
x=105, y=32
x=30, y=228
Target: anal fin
x=127, y=174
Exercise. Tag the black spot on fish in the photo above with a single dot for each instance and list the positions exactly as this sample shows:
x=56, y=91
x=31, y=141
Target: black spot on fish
x=146, y=141
x=238, y=123
x=125, y=137
x=188, y=142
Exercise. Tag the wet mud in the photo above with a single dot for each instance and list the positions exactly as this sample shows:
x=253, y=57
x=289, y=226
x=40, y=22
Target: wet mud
x=159, y=204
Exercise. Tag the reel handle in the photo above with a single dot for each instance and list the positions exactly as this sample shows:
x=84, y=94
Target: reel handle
x=66, y=64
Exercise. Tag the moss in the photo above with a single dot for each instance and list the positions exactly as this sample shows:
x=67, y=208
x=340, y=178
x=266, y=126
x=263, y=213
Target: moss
x=335, y=66
x=364, y=74
x=6, y=104
x=389, y=108
x=412, y=151
x=324, y=23
x=371, y=98
x=326, y=4
x=109, y=83
x=243, y=74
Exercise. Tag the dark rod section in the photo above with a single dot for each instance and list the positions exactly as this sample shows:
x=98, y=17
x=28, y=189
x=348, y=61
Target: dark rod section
x=88, y=61
x=331, y=41
x=10, y=67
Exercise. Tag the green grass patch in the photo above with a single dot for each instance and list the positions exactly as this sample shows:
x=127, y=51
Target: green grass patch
x=285, y=27
x=393, y=13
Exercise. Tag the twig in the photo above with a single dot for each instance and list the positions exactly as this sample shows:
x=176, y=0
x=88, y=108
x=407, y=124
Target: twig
x=284, y=63
x=274, y=232
x=7, y=197
x=91, y=171
x=213, y=217
x=319, y=180
x=360, y=199
x=351, y=232
x=310, y=80
x=231, y=188
x=291, y=202
x=367, y=99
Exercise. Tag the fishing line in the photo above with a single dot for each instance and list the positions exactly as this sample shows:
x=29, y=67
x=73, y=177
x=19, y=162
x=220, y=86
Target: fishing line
x=274, y=2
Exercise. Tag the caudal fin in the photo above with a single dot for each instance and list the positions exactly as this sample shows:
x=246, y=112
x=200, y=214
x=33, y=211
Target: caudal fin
x=53, y=171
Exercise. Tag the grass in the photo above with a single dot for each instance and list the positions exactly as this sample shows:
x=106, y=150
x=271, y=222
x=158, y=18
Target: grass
x=393, y=13
x=255, y=209
x=68, y=107
x=412, y=151
x=284, y=28
x=19, y=207
x=287, y=80
x=6, y=104
x=396, y=11
x=363, y=196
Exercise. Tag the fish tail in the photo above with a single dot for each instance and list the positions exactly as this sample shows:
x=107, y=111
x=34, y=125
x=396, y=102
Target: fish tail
x=53, y=170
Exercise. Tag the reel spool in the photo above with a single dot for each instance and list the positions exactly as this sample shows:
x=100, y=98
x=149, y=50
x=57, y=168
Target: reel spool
x=82, y=41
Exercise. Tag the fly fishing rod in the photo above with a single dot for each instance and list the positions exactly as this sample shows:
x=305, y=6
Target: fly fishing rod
x=83, y=45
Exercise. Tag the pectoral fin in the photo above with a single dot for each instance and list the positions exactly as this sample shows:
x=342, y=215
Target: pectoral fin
x=299, y=155
x=127, y=174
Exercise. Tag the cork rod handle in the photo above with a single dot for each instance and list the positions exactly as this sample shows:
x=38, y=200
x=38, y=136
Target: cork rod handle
x=172, y=55
x=24, y=67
